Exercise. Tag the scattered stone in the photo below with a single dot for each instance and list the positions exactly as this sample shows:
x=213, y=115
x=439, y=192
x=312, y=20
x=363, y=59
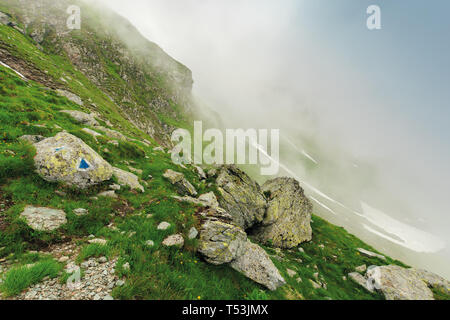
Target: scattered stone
x=315, y=284
x=150, y=243
x=4, y=19
x=120, y=283
x=301, y=250
x=205, y=200
x=287, y=222
x=113, y=134
x=66, y=158
x=44, y=219
x=255, y=264
x=371, y=254
x=163, y=226
x=138, y=171
x=126, y=266
x=161, y=149
x=200, y=172
x=127, y=179
x=108, y=194
x=81, y=212
x=291, y=273
x=93, y=133
x=97, y=241
x=179, y=181
x=362, y=268
x=114, y=187
x=32, y=138
x=241, y=197
x=175, y=240
x=193, y=233
x=71, y=96
x=212, y=173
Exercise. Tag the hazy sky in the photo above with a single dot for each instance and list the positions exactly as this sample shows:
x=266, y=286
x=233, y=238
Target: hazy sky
x=383, y=95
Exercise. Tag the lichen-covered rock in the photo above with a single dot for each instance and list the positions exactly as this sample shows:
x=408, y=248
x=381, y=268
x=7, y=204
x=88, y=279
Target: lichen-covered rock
x=126, y=178
x=220, y=240
x=241, y=197
x=397, y=283
x=44, y=219
x=288, y=219
x=370, y=254
x=255, y=264
x=4, y=18
x=200, y=172
x=67, y=159
x=179, y=181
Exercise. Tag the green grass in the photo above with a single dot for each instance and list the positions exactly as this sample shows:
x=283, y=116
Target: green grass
x=19, y=278
x=93, y=250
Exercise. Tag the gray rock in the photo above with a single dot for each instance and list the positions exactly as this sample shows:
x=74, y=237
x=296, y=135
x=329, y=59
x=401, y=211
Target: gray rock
x=221, y=241
x=127, y=179
x=81, y=212
x=4, y=19
x=150, y=243
x=287, y=222
x=67, y=159
x=71, y=96
x=82, y=117
x=255, y=264
x=112, y=133
x=44, y=219
x=93, y=133
x=175, y=240
x=179, y=181
x=163, y=226
x=397, y=283
x=97, y=241
x=193, y=233
x=32, y=138
x=108, y=194
x=241, y=197
x=200, y=172
x=205, y=200
x=315, y=284
x=291, y=273
x=359, y=279
x=362, y=268
x=370, y=254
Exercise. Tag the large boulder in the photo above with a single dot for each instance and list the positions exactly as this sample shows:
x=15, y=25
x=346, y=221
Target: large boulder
x=221, y=241
x=288, y=218
x=255, y=264
x=43, y=219
x=67, y=159
x=180, y=182
x=241, y=197
x=129, y=179
x=397, y=283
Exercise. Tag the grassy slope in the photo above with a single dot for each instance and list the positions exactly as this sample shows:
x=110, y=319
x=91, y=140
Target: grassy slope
x=157, y=272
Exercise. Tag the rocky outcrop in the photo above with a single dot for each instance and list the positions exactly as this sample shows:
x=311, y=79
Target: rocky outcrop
x=126, y=178
x=67, y=159
x=43, y=219
x=255, y=264
x=287, y=222
x=241, y=197
x=180, y=182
